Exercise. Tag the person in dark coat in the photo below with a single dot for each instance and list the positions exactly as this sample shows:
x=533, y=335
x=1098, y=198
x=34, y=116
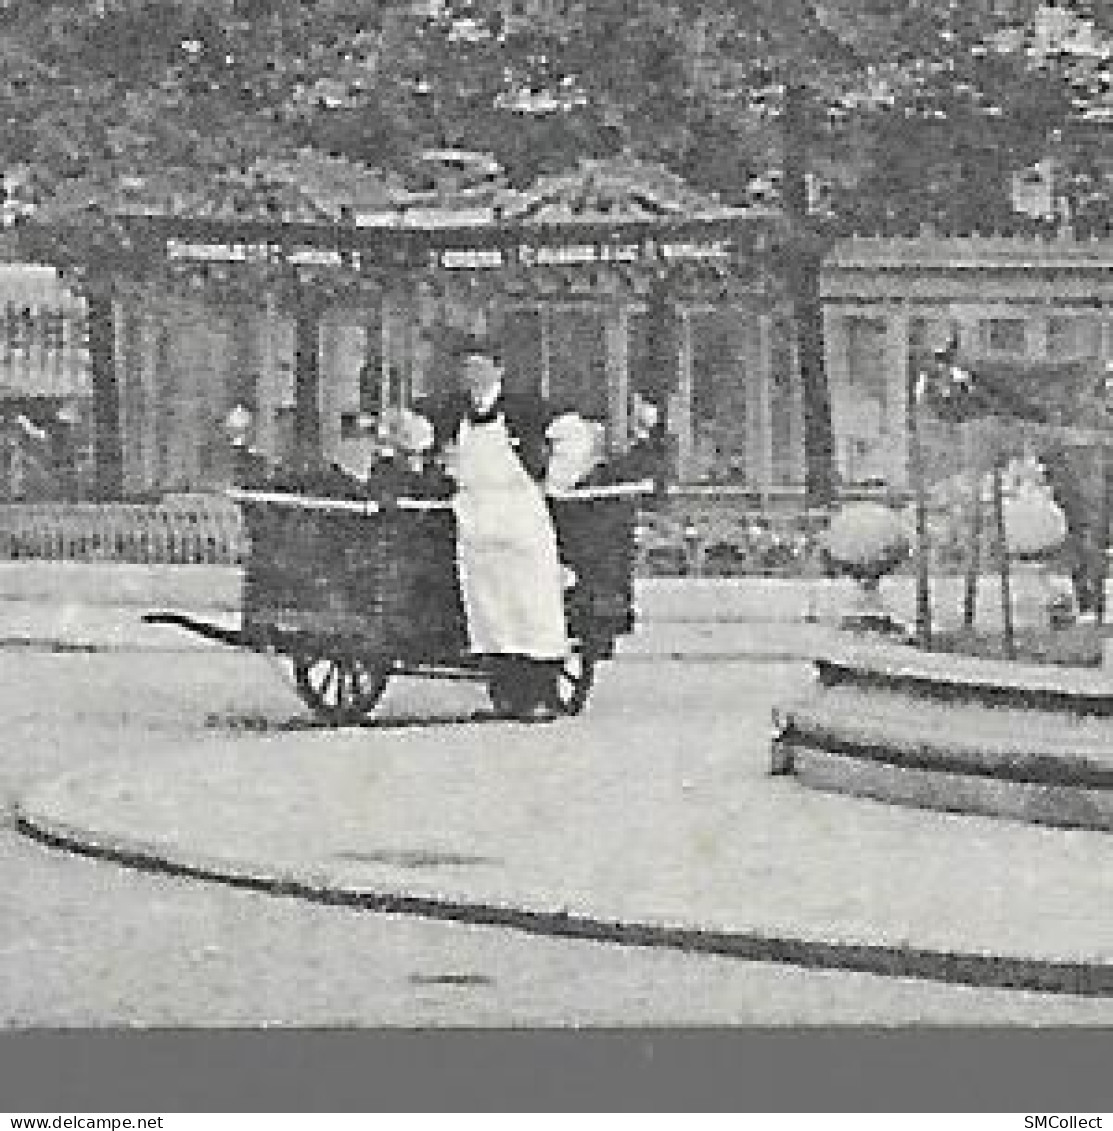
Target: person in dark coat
x=493, y=442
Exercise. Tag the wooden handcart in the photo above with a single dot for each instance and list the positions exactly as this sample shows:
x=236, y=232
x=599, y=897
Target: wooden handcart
x=354, y=591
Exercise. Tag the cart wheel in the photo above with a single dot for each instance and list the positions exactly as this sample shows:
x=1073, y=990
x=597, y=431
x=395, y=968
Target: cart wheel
x=340, y=689
x=576, y=678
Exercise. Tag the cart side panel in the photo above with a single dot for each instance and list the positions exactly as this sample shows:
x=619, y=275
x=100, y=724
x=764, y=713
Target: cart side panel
x=382, y=583
x=596, y=539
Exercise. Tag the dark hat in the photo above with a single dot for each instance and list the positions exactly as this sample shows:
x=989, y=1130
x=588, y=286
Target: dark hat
x=460, y=344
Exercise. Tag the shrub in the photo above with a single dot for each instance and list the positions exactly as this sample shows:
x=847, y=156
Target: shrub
x=1034, y=525
x=865, y=541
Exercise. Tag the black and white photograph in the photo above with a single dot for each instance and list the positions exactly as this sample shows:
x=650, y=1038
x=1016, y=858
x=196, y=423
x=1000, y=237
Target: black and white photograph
x=551, y=515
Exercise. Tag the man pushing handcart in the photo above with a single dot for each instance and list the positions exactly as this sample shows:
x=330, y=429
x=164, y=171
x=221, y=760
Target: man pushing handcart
x=497, y=563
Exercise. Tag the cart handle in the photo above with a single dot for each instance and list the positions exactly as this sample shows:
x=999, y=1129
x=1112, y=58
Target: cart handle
x=371, y=506
x=606, y=491
x=303, y=502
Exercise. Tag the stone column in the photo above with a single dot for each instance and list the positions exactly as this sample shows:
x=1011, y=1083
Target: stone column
x=420, y=345
x=1105, y=341
x=267, y=394
x=749, y=361
x=108, y=464
x=186, y=355
x=137, y=355
x=618, y=377
x=342, y=350
x=149, y=331
x=216, y=397
x=196, y=371
x=965, y=320
x=544, y=312
x=123, y=335
x=836, y=337
x=307, y=382
x=765, y=405
x=894, y=422
x=75, y=357
x=169, y=394
x=795, y=408
x=1036, y=334
x=353, y=353
x=329, y=364
x=390, y=351
x=680, y=416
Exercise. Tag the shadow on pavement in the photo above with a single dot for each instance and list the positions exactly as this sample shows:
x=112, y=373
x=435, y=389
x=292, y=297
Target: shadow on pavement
x=258, y=723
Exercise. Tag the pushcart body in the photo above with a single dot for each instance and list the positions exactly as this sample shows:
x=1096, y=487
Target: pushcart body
x=354, y=591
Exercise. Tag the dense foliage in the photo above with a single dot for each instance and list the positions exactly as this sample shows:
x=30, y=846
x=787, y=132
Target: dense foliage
x=857, y=115
x=912, y=113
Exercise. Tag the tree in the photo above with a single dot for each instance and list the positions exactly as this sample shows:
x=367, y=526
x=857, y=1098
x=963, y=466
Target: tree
x=909, y=104
x=913, y=113
x=904, y=104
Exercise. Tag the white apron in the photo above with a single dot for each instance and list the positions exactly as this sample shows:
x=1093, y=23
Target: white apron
x=511, y=580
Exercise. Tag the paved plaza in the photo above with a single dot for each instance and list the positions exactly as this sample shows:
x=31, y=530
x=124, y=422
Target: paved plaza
x=635, y=865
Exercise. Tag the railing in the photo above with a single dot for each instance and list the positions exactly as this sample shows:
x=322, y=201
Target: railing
x=201, y=530
x=721, y=537
x=709, y=537
x=688, y=536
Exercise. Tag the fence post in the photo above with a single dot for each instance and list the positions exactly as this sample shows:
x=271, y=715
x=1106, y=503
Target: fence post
x=923, y=580
x=1003, y=560
x=973, y=552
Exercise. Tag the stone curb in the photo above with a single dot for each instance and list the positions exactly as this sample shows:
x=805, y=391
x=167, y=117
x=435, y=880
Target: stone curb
x=696, y=640
x=1057, y=805
x=953, y=967
x=90, y=648
x=216, y=589
x=892, y=727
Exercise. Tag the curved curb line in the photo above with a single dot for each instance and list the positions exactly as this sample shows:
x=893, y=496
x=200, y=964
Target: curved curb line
x=56, y=645
x=963, y=968
x=950, y=688
x=1069, y=770
x=665, y=655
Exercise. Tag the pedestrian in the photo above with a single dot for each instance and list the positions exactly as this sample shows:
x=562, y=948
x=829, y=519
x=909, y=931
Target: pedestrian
x=361, y=446
x=493, y=443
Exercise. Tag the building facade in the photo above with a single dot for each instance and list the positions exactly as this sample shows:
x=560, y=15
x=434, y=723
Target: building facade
x=576, y=322
x=733, y=416
x=573, y=277
x=45, y=385
x=1001, y=298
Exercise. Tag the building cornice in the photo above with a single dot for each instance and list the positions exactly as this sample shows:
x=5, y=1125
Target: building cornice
x=993, y=270
x=969, y=253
